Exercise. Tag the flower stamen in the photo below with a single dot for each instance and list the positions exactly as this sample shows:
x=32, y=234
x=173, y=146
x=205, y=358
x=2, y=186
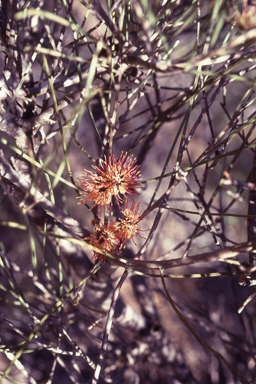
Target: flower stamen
x=113, y=179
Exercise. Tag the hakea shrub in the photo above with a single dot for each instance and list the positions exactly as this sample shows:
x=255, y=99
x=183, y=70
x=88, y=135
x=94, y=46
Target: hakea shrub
x=114, y=180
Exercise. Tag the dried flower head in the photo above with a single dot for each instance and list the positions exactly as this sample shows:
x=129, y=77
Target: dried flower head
x=113, y=178
x=104, y=239
x=127, y=227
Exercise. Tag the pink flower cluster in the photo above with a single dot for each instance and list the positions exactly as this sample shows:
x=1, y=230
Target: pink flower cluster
x=114, y=179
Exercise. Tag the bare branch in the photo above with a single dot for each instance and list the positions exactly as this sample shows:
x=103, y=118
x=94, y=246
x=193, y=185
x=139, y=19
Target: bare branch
x=7, y=172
